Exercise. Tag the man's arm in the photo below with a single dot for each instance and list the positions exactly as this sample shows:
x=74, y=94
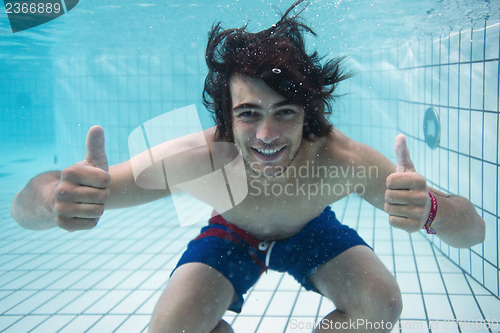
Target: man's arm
x=37, y=200
x=403, y=193
x=75, y=198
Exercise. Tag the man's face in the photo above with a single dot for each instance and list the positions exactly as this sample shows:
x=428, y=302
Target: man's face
x=267, y=127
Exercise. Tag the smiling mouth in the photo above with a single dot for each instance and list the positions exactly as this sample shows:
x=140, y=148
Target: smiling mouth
x=268, y=154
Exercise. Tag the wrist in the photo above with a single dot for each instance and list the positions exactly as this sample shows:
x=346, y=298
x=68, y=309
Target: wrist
x=432, y=214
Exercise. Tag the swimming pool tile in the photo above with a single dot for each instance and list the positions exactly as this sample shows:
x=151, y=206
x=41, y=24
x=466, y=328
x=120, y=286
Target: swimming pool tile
x=160, y=260
x=477, y=289
x=134, y=280
x=108, y=323
x=148, y=306
x=117, y=261
x=14, y=299
x=367, y=235
x=80, y=323
x=256, y=303
x=246, y=323
x=60, y=261
x=413, y=307
x=465, y=260
x=490, y=307
x=68, y=279
x=88, y=261
x=432, y=283
x=32, y=303
x=382, y=233
x=326, y=306
x=113, y=280
x=272, y=324
x=59, y=301
x=477, y=270
x=475, y=327
x=10, y=277
x=52, y=324
x=25, y=324
x=448, y=266
x=405, y=264
x=90, y=279
x=307, y=305
x=281, y=304
x=137, y=261
x=402, y=247
x=388, y=262
x=438, y=307
x=421, y=246
x=465, y=307
x=456, y=283
x=7, y=321
x=135, y=323
x=15, y=261
x=426, y=264
x=383, y=248
x=132, y=302
x=107, y=302
x=80, y=304
x=268, y=281
x=156, y=280
x=289, y=283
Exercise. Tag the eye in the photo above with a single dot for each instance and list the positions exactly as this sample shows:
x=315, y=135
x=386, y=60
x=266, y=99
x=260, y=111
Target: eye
x=286, y=113
x=247, y=116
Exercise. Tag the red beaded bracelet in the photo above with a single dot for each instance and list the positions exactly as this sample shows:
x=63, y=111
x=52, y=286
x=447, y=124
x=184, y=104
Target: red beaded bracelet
x=432, y=214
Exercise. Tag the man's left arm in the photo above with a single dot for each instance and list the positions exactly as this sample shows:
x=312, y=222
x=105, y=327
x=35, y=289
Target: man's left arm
x=403, y=193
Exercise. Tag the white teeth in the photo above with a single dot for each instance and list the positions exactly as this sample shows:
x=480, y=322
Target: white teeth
x=268, y=151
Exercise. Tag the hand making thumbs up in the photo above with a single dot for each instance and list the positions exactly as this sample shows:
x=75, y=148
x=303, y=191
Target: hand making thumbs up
x=406, y=197
x=83, y=187
x=95, y=148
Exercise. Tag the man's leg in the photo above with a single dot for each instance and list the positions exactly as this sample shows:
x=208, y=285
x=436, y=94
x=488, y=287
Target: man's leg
x=194, y=300
x=363, y=290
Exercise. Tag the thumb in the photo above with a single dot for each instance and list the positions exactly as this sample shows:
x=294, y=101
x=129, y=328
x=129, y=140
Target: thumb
x=95, y=148
x=403, y=154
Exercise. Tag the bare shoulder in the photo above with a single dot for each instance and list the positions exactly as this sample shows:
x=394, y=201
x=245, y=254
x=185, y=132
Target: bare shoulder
x=370, y=167
x=341, y=149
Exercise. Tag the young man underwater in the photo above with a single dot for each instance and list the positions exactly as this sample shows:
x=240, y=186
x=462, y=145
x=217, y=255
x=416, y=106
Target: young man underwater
x=271, y=99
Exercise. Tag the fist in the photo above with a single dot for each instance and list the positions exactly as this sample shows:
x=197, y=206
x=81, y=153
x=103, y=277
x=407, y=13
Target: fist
x=83, y=187
x=406, y=197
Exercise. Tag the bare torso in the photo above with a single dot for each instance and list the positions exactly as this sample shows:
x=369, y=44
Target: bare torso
x=278, y=207
x=322, y=172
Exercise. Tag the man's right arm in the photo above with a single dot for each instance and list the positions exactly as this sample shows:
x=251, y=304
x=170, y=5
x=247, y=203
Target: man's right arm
x=75, y=198
x=33, y=207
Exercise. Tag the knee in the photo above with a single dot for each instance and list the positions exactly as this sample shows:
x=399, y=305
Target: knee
x=383, y=303
x=182, y=317
x=393, y=304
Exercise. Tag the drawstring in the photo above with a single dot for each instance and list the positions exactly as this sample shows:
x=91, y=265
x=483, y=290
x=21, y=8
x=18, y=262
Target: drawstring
x=268, y=253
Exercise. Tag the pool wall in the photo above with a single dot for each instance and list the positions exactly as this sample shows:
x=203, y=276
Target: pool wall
x=457, y=74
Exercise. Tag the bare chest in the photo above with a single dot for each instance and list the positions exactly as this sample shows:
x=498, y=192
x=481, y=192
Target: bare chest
x=274, y=210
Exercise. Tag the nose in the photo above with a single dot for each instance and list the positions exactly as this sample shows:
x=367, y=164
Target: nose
x=267, y=131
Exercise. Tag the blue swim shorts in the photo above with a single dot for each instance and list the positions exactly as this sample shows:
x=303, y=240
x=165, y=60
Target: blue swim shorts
x=242, y=258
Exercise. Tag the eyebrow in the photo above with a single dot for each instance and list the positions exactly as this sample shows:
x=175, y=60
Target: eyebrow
x=256, y=106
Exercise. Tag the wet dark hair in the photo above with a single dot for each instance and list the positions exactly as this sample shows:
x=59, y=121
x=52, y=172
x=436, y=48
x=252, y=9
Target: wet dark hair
x=277, y=56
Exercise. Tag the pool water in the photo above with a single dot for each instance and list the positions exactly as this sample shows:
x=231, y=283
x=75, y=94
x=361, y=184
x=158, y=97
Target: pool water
x=120, y=64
